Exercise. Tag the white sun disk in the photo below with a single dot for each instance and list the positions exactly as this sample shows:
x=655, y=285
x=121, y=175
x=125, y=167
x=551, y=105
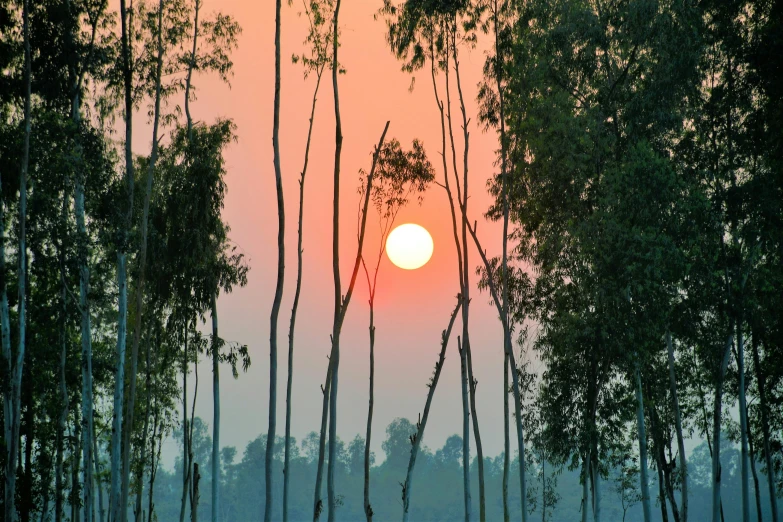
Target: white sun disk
x=409, y=246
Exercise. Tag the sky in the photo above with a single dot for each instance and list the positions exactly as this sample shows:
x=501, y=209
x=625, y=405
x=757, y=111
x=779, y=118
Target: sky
x=412, y=306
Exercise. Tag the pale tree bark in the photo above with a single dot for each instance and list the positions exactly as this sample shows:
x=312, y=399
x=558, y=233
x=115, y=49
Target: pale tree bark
x=187, y=428
x=678, y=430
x=716, y=418
x=117, y=508
x=270, y=438
x=139, y=309
x=761, y=380
x=642, y=433
x=295, y=307
x=743, y=407
x=84, y=274
x=422, y=424
x=63, y=418
x=15, y=368
x=215, y=412
x=96, y=465
x=752, y=457
x=138, y=513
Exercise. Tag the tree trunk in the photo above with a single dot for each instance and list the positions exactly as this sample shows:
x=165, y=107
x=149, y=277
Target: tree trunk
x=367, y=506
x=477, y=435
x=195, y=495
x=463, y=359
x=506, y=439
x=743, y=407
x=295, y=307
x=96, y=455
x=15, y=368
x=585, y=478
x=139, y=312
x=185, y=430
x=761, y=380
x=216, y=413
x=84, y=277
x=678, y=430
x=753, y=457
x=642, y=447
x=270, y=438
x=63, y=418
x=117, y=508
x=422, y=424
x=716, y=418
x=143, y=447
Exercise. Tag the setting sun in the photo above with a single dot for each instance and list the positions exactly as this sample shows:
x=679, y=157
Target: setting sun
x=409, y=246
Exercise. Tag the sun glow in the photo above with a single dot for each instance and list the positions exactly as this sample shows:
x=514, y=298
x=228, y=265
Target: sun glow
x=409, y=246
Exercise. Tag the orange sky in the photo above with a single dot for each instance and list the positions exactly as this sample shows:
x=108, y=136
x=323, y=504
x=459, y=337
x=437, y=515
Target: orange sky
x=412, y=307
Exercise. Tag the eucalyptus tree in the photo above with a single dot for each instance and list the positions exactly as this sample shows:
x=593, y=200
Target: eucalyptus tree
x=273, y=318
x=400, y=175
x=126, y=67
x=594, y=95
x=419, y=32
x=314, y=60
x=341, y=301
x=15, y=361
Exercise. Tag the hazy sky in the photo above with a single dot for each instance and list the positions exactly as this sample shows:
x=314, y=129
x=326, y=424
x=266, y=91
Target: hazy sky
x=412, y=307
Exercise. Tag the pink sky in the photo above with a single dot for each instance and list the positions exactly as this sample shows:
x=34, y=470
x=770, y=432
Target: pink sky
x=412, y=307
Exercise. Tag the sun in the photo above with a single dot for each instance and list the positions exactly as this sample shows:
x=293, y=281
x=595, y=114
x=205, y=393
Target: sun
x=409, y=246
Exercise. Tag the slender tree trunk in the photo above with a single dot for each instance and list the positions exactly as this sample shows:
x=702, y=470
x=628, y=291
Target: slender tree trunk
x=504, y=259
x=716, y=418
x=743, y=407
x=661, y=493
x=270, y=439
x=463, y=359
x=216, y=412
x=642, y=447
x=143, y=446
x=506, y=439
x=75, y=484
x=295, y=307
x=84, y=274
x=139, y=311
x=15, y=368
x=761, y=380
x=367, y=506
x=117, y=508
x=753, y=457
x=63, y=418
x=186, y=465
x=338, y=298
x=585, y=479
x=98, y=481
x=678, y=430
x=318, y=501
x=422, y=424
x=154, y=465
x=195, y=495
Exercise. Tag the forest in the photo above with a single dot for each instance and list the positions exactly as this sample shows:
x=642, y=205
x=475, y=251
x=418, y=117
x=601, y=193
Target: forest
x=636, y=279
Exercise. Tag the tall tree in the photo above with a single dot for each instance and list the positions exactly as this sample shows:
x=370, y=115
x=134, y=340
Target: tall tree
x=270, y=440
x=315, y=60
x=400, y=174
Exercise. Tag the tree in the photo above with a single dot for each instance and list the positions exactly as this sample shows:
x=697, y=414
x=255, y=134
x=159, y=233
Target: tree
x=400, y=174
x=315, y=61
